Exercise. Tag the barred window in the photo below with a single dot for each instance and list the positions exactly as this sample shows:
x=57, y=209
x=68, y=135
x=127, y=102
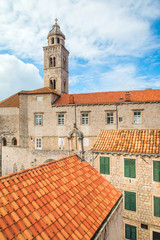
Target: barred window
x=61, y=119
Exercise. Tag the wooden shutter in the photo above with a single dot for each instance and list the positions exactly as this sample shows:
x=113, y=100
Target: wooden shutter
x=130, y=201
x=132, y=168
x=126, y=167
x=130, y=232
x=156, y=236
x=156, y=171
x=157, y=206
x=104, y=165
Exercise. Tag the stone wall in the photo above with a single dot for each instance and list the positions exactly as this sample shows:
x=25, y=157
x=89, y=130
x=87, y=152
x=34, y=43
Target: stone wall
x=144, y=187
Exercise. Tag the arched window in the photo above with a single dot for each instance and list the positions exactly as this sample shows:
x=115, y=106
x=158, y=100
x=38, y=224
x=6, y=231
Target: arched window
x=54, y=62
x=52, y=40
x=4, y=142
x=14, y=141
x=50, y=62
x=54, y=84
x=15, y=168
x=58, y=41
x=51, y=84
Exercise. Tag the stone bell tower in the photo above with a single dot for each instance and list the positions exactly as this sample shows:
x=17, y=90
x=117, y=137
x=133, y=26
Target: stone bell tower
x=56, y=61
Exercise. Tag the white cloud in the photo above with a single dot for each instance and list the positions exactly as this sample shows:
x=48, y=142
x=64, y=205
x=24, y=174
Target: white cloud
x=16, y=75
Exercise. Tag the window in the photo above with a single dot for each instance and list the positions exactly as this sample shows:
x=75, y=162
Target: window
x=129, y=168
x=156, y=171
x=156, y=236
x=61, y=119
x=120, y=119
x=54, y=84
x=52, y=40
x=14, y=141
x=39, y=98
x=130, y=201
x=50, y=62
x=86, y=142
x=54, y=62
x=61, y=141
x=137, y=117
x=157, y=206
x=110, y=118
x=38, y=119
x=105, y=165
x=4, y=142
x=38, y=143
x=58, y=41
x=130, y=232
x=15, y=168
x=85, y=118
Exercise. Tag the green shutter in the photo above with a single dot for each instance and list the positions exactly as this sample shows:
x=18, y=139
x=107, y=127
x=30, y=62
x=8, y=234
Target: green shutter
x=156, y=236
x=130, y=232
x=157, y=206
x=156, y=171
x=130, y=201
x=104, y=165
x=129, y=168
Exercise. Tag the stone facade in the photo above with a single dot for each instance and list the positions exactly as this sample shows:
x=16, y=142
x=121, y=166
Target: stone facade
x=144, y=187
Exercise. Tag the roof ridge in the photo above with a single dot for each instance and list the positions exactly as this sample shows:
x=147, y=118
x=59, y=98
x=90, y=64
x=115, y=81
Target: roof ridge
x=37, y=167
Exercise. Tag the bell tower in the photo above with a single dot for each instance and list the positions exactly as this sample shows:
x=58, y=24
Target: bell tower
x=56, y=61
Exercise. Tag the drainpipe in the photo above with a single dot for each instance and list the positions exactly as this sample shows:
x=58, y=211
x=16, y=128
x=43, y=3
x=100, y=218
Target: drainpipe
x=116, y=116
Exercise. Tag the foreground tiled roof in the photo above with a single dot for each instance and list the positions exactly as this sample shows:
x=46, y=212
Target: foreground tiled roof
x=64, y=199
x=13, y=101
x=110, y=97
x=143, y=141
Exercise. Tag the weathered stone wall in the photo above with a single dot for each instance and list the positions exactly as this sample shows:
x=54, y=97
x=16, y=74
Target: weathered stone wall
x=144, y=187
x=114, y=228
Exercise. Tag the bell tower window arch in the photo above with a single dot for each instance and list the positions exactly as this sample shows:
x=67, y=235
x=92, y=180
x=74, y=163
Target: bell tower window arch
x=52, y=61
x=53, y=84
x=52, y=40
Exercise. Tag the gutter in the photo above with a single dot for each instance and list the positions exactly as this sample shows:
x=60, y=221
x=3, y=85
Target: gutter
x=106, y=220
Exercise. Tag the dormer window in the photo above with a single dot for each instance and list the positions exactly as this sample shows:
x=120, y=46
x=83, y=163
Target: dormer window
x=52, y=40
x=58, y=41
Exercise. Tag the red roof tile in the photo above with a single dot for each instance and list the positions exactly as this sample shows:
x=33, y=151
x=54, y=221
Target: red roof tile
x=110, y=97
x=13, y=101
x=58, y=213
x=142, y=141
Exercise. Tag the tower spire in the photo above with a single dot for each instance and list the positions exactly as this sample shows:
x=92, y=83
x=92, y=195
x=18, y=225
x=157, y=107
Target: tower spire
x=56, y=20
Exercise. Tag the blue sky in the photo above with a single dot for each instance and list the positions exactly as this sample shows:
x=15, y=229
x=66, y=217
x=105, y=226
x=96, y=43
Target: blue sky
x=114, y=45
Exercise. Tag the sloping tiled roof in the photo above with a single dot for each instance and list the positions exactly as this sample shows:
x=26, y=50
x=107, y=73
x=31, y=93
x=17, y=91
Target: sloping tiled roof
x=110, y=97
x=143, y=141
x=63, y=199
x=13, y=101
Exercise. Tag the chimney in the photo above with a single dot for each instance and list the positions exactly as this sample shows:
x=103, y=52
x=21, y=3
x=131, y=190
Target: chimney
x=127, y=96
x=71, y=99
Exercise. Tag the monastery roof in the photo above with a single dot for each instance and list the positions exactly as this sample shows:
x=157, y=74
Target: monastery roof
x=110, y=97
x=141, y=141
x=13, y=101
x=63, y=199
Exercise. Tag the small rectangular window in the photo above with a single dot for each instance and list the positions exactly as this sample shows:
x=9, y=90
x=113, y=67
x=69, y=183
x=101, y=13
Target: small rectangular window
x=39, y=98
x=86, y=142
x=110, y=118
x=157, y=206
x=61, y=141
x=129, y=168
x=130, y=232
x=130, y=201
x=38, y=143
x=38, y=119
x=60, y=119
x=85, y=118
x=105, y=165
x=156, y=235
x=120, y=119
x=156, y=171
x=137, y=117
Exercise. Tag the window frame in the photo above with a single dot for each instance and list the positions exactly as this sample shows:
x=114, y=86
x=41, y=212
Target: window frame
x=131, y=228
x=130, y=172
x=85, y=119
x=106, y=166
x=39, y=123
x=135, y=119
x=60, y=120
x=128, y=202
x=110, y=122
x=38, y=143
x=156, y=207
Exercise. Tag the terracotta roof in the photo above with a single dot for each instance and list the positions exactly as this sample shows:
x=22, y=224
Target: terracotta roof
x=143, y=141
x=13, y=101
x=63, y=199
x=110, y=97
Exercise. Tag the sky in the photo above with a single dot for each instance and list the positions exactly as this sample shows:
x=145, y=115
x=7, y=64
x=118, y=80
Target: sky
x=114, y=44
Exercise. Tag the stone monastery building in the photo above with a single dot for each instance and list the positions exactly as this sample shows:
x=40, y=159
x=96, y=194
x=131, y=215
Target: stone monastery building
x=51, y=123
